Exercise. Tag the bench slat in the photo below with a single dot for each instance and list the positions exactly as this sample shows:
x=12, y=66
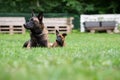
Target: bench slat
x=11, y=24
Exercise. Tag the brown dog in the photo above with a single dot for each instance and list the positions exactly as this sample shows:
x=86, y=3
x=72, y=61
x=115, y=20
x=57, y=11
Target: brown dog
x=60, y=40
x=39, y=34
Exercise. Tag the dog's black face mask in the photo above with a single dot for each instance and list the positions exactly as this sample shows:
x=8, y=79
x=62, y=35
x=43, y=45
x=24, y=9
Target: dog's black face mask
x=35, y=23
x=59, y=39
x=30, y=24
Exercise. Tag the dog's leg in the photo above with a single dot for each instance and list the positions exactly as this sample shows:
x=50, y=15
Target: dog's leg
x=50, y=45
x=55, y=44
x=25, y=44
x=29, y=45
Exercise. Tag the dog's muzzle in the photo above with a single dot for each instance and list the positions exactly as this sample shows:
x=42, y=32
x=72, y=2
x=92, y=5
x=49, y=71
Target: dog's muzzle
x=25, y=26
x=59, y=39
x=29, y=25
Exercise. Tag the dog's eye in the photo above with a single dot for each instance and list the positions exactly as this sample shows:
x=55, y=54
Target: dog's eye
x=31, y=19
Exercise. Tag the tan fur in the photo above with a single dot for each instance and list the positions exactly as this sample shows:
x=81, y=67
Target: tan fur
x=60, y=41
x=39, y=33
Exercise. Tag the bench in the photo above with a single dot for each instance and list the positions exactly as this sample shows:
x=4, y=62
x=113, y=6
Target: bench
x=12, y=25
x=63, y=25
x=93, y=26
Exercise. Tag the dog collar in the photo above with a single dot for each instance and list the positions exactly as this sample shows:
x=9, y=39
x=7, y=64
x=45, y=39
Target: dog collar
x=37, y=35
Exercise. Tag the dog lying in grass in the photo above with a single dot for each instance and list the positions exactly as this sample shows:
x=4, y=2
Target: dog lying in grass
x=60, y=39
x=38, y=32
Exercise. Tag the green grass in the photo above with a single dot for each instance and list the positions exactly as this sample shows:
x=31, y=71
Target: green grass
x=86, y=57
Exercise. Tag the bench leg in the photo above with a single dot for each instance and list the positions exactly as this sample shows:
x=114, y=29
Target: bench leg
x=11, y=29
x=92, y=31
x=23, y=30
x=109, y=31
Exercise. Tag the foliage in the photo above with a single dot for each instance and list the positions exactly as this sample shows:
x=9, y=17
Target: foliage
x=86, y=57
x=61, y=6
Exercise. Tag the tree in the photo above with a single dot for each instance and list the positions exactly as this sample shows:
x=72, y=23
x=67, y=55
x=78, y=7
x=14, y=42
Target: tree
x=61, y=6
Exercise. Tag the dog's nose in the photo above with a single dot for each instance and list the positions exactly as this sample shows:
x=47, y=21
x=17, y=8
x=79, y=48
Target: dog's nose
x=23, y=24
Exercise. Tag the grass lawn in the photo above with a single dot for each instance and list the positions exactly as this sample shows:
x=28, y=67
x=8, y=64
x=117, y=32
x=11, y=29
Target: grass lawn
x=86, y=57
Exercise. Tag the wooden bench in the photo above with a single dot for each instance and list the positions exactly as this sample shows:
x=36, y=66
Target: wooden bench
x=93, y=26
x=63, y=25
x=12, y=25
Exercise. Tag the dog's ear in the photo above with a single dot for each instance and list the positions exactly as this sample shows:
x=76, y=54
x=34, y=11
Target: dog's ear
x=33, y=14
x=64, y=34
x=40, y=17
x=57, y=32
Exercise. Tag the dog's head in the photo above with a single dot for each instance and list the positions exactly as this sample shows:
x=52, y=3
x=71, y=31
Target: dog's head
x=60, y=38
x=35, y=23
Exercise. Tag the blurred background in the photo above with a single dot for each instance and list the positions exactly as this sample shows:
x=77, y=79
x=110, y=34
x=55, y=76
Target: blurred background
x=59, y=8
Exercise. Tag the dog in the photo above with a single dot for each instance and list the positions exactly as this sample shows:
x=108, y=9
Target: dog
x=60, y=39
x=38, y=32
